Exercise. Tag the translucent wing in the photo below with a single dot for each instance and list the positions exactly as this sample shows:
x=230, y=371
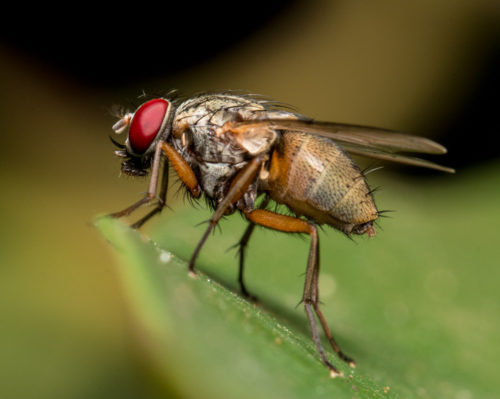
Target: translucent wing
x=393, y=157
x=360, y=140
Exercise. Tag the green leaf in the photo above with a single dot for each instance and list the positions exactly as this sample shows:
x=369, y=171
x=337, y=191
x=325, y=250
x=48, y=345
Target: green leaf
x=206, y=341
x=416, y=306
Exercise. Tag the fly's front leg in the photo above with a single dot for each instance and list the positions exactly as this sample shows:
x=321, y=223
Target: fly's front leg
x=238, y=187
x=311, y=295
x=162, y=198
x=185, y=173
x=153, y=182
x=182, y=169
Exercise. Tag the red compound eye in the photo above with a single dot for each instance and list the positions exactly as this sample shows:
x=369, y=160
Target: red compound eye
x=146, y=124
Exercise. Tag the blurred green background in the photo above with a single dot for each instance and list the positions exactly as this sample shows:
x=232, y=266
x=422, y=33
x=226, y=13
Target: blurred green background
x=427, y=67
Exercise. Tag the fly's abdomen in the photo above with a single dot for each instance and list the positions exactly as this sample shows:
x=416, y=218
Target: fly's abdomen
x=316, y=179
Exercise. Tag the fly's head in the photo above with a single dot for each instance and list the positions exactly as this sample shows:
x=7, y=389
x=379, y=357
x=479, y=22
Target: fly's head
x=146, y=126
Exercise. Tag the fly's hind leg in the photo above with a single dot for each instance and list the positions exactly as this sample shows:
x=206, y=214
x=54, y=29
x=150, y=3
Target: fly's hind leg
x=311, y=297
x=294, y=225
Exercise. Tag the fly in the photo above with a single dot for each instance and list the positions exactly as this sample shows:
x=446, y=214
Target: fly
x=234, y=148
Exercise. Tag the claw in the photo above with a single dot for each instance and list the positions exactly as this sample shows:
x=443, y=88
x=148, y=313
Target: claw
x=334, y=373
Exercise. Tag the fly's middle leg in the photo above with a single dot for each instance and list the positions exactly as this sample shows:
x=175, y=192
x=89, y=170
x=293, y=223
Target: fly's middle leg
x=242, y=246
x=237, y=189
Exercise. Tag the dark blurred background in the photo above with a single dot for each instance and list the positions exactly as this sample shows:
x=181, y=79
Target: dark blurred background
x=454, y=49
x=428, y=68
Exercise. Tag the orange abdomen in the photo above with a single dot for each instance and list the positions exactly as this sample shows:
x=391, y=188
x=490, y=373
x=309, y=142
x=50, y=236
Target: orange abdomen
x=315, y=178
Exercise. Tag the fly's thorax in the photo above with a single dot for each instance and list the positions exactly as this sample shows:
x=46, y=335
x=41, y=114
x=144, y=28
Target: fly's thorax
x=315, y=178
x=218, y=108
x=216, y=159
x=207, y=112
x=197, y=119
